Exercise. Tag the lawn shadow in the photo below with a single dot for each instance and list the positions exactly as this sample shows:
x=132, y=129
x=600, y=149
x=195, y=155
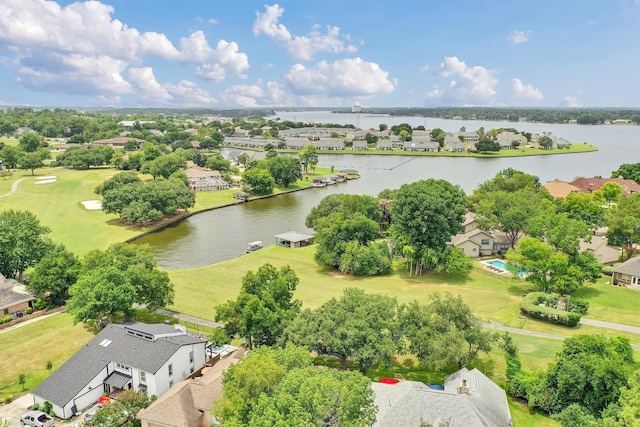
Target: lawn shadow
x=588, y=292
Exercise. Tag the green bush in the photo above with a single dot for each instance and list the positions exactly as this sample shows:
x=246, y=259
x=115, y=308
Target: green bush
x=6, y=319
x=40, y=304
x=29, y=310
x=536, y=304
x=8, y=399
x=47, y=407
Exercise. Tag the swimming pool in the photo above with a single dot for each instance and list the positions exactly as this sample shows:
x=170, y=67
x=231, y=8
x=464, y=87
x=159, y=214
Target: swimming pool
x=500, y=265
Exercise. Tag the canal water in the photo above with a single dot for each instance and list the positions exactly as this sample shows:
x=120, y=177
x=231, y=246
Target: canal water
x=222, y=234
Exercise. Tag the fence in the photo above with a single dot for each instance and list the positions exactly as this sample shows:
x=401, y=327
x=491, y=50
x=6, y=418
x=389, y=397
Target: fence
x=201, y=329
x=507, y=278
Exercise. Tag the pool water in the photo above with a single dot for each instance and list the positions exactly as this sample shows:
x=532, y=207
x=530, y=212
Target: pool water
x=501, y=265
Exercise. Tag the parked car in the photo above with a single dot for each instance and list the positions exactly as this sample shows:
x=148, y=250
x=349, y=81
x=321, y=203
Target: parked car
x=88, y=417
x=36, y=419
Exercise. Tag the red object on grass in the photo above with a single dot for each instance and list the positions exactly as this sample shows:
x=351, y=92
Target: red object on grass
x=104, y=400
x=389, y=381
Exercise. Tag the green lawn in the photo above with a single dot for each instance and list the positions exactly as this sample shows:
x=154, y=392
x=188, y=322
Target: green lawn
x=28, y=348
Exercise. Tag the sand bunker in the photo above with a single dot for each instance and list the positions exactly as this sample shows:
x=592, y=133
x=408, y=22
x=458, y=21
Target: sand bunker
x=45, y=181
x=46, y=177
x=92, y=205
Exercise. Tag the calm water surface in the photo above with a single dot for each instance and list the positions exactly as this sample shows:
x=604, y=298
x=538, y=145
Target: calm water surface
x=222, y=234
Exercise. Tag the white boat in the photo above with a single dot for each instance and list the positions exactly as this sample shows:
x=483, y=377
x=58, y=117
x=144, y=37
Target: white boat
x=254, y=246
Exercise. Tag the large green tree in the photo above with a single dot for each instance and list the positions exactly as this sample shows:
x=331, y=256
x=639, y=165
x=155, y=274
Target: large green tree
x=443, y=332
x=23, y=242
x=628, y=171
x=100, y=294
x=317, y=398
x=259, y=181
x=257, y=374
x=284, y=169
x=590, y=370
x=582, y=207
x=335, y=232
x=623, y=221
x=425, y=215
x=358, y=325
x=9, y=156
x=54, y=274
x=152, y=285
x=163, y=166
x=264, y=306
x=309, y=157
x=30, y=142
x=347, y=205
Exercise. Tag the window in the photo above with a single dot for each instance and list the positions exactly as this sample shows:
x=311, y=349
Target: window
x=474, y=249
x=6, y=311
x=484, y=242
x=123, y=367
x=191, y=356
x=170, y=369
x=143, y=377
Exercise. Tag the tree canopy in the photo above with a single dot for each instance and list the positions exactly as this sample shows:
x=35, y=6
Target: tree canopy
x=54, y=274
x=264, y=306
x=23, y=242
x=623, y=222
x=628, y=171
x=358, y=325
x=425, y=215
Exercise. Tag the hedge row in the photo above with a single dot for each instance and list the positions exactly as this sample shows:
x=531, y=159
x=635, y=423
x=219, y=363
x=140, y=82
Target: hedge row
x=531, y=307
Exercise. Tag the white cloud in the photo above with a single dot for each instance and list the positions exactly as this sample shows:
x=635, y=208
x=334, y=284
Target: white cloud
x=184, y=93
x=228, y=60
x=522, y=92
x=424, y=68
x=345, y=77
x=570, y=102
x=472, y=86
x=81, y=48
x=301, y=48
x=272, y=94
x=518, y=36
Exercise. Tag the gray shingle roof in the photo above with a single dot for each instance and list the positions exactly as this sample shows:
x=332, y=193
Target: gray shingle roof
x=630, y=266
x=127, y=349
x=409, y=403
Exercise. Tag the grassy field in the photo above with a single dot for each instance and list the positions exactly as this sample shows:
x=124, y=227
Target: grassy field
x=493, y=299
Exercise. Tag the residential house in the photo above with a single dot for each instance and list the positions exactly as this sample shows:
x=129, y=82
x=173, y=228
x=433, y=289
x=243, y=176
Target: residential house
x=385, y=145
x=560, y=189
x=598, y=246
x=509, y=140
x=468, y=136
x=627, y=273
x=421, y=146
x=475, y=243
x=360, y=145
x=24, y=129
x=469, y=399
x=201, y=179
x=591, y=185
x=189, y=403
x=331, y=144
x=297, y=143
x=453, y=144
x=143, y=357
x=15, y=300
x=557, y=142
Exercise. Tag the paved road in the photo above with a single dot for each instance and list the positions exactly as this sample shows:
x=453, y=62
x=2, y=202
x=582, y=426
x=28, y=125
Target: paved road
x=609, y=325
x=14, y=188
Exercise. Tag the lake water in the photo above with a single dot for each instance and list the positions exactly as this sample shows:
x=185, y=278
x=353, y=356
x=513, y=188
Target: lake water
x=222, y=234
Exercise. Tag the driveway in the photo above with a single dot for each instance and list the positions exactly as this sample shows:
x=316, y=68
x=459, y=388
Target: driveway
x=10, y=413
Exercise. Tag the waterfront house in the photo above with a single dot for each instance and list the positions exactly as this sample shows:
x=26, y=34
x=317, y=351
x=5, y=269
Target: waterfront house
x=330, y=144
x=201, y=179
x=143, y=357
x=360, y=146
x=292, y=239
x=385, y=145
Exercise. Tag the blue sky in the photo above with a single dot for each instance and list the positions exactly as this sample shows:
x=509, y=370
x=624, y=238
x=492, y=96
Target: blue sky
x=330, y=53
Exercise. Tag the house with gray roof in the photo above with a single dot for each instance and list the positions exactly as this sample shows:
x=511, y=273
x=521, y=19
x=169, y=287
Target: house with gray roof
x=469, y=399
x=360, y=145
x=601, y=250
x=627, y=273
x=421, y=146
x=385, y=145
x=138, y=356
x=15, y=300
x=331, y=144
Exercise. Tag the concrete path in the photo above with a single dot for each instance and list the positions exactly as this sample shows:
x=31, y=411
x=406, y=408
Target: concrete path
x=609, y=325
x=10, y=413
x=14, y=188
x=26, y=322
x=501, y=327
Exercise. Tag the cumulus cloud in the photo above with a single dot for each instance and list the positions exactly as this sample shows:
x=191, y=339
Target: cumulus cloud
x=518, y=36
x=469, y=85
x=522, y=92
x=346, y=77
x=81, y=48
x=302, y=48
x=259, y=94
x=184, y=93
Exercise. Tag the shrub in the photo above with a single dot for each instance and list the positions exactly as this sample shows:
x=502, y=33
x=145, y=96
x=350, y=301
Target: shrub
x=8, y=399
x=6, y=319
x=47, y=407
x=40, y=304
x=535, y=305
x=29, y=310
x=35, y=407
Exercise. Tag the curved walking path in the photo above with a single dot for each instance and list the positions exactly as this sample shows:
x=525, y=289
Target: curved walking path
x=14, y=188
x=600, y=324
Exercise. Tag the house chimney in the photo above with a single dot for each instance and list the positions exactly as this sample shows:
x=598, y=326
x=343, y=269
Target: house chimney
x=463, y=389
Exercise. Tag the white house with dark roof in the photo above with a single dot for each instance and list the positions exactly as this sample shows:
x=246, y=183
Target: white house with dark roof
x=138, y=356
x=469, y=399
x=15, y=300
